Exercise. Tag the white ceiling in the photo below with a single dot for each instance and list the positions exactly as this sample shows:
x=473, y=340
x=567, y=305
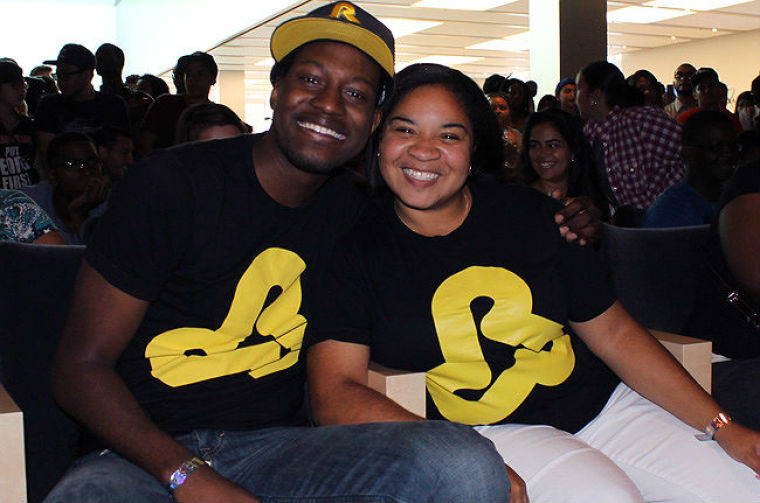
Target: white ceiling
x=460, y=29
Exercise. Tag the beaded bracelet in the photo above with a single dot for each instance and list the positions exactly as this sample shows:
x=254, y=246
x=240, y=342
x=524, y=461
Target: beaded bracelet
x=181, y=474
x=718, y=422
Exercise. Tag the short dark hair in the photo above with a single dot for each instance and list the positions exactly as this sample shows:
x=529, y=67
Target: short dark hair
x=61, y=140
x=197, y=118
x=488, y=147
x=117, y=52
x=700, y=122
x=204, y=58
x=744, y=95
x=157, y=84
x=493, y=83
x=548, y=101
x=609, y=79
x=702, y=74
x=106, y=136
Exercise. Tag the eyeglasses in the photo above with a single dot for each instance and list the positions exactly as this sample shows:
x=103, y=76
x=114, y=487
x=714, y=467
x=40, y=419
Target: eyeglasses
x=80, y=165
x=684, y=75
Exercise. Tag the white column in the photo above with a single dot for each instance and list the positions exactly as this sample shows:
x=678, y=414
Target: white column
x=232, y=90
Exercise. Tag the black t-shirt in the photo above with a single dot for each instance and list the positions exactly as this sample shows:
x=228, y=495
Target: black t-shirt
x=58, y=113
x=229, y=275
x=17, y=151
x=482, y=310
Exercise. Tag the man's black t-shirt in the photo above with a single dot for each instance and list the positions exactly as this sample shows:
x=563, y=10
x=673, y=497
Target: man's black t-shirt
x=230, y=277
x=17, y=151
x=483, y=311
x=57, y=113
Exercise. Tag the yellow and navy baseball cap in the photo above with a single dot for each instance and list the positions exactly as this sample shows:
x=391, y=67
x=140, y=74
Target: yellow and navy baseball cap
x=341, y=22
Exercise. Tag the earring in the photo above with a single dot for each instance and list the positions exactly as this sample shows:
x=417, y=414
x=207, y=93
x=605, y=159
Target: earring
x=469, y=170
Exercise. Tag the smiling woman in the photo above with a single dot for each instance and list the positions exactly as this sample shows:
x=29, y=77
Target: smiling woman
x=518, y=332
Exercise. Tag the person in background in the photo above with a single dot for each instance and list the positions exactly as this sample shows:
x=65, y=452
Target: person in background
x=178, y=74
x=710, y=94
x=152, y=85
x=23, y=221
x=749, y=146
x=109, y=65
x=159, y=128
x=648, y=86
x=745, y=110
x=557, y=160
x=76, y=188
x=547, y=102
x=684, y=96
x=638, y=146
x=518, y=96
x=42, y=71
x=17, y=132
x=565, y=93
x=131, y=81
x=79, y=107
x=710, y=151
x=116, y=150
x=512, y=137
x=208, y=121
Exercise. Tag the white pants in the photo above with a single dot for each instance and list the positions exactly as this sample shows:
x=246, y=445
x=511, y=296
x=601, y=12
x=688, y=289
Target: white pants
x=633, y=451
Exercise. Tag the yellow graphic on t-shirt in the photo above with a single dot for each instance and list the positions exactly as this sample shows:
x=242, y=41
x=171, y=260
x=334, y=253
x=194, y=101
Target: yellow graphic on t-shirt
x=510, y=322
x=189, y=354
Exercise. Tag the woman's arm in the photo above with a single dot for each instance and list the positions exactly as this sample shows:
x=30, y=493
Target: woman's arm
x=644, y=365
x=739, y=227
x=338, y=387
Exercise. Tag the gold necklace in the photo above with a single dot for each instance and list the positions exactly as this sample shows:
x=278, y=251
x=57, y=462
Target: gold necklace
x=467, y=206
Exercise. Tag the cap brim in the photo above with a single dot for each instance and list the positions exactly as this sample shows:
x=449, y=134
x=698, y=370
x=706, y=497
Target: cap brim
x=50, y=62
x=297, y=32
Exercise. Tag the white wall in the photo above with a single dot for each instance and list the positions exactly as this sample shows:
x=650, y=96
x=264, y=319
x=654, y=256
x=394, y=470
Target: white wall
x=35, y=30
x=736, y=58
x=154, y=33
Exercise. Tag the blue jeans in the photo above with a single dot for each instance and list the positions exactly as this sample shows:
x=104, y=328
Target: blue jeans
x=379, y=462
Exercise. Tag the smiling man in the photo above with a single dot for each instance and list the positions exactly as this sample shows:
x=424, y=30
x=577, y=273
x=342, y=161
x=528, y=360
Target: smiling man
x=182, y=348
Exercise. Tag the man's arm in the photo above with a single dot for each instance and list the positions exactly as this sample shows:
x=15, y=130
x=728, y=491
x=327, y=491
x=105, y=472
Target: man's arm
x=101, y=322
x=739, y=227
x=338, y=387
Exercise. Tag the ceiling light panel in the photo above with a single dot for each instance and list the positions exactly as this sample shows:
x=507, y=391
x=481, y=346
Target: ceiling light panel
x=694, y=4
x=447, y=60
x=643, y=15
x=459, y=5
x=517, y=42
x=401, y=27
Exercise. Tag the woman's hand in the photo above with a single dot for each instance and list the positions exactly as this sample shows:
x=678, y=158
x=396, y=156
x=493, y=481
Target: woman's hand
x=741, y=443
x=518, y=493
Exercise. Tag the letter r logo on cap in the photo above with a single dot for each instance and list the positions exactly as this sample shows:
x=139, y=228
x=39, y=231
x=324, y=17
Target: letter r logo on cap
x=346, y=11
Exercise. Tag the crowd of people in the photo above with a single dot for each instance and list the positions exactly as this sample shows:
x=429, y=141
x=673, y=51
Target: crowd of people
x=416, y=220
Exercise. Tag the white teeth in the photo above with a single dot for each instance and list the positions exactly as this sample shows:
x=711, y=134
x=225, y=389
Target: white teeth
x=322, y=130
x=420, y=175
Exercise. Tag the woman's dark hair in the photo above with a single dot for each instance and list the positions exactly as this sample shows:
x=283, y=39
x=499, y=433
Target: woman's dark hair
x=609, y=79
x=157, y=85
x=518, y=109
x=583, y=177
x=195, y=119
x=548, y=101
x=746, y=95
x=493, y=83
x=657, y=87
x=488, y=148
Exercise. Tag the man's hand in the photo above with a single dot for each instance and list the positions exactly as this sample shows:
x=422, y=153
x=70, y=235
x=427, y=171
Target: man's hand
x=93, y=195
x=579, y=219
x=205, y=485
x=518, y=493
